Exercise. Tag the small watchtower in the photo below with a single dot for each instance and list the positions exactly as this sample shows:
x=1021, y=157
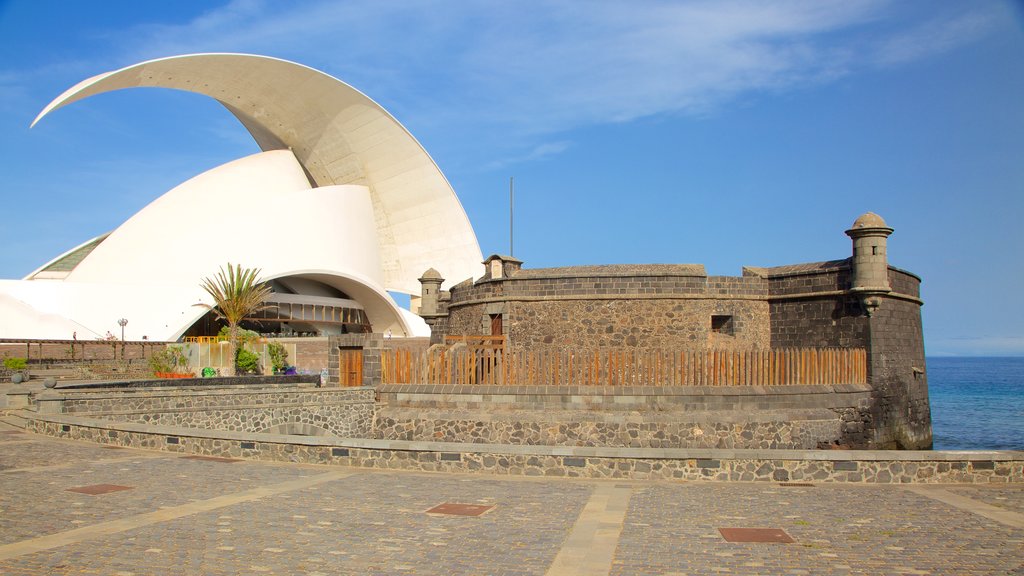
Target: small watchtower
x=430, y=292
x=870, y=264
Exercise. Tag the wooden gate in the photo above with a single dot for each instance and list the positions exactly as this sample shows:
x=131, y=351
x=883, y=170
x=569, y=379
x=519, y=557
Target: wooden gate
x=350, y=366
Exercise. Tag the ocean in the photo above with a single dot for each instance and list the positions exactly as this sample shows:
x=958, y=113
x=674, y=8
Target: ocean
x=977, y=403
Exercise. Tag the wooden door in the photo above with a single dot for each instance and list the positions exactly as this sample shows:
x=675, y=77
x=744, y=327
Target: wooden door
x=351, y=367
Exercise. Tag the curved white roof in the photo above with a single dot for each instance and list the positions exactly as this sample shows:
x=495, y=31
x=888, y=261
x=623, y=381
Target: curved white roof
x=339, y=136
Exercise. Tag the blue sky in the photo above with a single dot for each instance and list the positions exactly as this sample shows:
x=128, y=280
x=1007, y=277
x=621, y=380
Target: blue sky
x=722, y=133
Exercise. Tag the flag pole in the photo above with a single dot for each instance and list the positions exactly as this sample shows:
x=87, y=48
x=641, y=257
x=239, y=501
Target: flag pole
x=511, y=215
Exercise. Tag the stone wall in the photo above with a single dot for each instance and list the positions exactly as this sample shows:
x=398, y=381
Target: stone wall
x=676, y=307
x=77, y=350
x=470, y=319
x=646, y=324
x=371, y=346
x=633, y=306
x=286, y=410
x=803, y=417
x=897, y=369
x=769, y=431
x=350, y=419
x=311, y=353
x=809, y=308
x=618, y=463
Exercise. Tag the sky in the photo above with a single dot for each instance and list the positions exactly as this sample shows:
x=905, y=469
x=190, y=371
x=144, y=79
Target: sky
x=724, y=133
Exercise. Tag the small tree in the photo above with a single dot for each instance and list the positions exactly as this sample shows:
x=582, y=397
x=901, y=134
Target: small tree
x=236, y=294
x=278, y=356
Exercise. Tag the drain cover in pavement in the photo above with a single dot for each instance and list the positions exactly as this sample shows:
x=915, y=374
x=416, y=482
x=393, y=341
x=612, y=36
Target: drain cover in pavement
x=97, y=489
x=210, y=458
x=459, y=509
x=756, y=535
x=796, y=485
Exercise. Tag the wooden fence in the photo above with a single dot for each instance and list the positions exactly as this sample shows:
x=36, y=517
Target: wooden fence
x=791, y=366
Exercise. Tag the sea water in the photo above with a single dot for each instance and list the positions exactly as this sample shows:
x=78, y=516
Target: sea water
x=977, y=403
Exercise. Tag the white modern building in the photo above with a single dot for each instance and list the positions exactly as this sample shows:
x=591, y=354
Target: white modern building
x=376, y=213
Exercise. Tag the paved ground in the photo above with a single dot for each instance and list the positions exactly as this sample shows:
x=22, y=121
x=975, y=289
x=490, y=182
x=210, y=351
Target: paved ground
x=190, y=516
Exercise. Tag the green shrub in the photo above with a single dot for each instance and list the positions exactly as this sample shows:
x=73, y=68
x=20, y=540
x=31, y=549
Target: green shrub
x=15, y=363
x=170, y=359
x=245, y=337
x=246, y=362
x=278, y=356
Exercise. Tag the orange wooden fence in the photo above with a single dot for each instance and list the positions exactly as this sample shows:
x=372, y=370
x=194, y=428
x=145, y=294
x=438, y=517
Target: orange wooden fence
x=790, y=366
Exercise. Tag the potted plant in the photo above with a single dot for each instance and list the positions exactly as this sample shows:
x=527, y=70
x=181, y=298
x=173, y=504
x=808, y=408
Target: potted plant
x=17, y=367
x=278, y=357
x=246, y=362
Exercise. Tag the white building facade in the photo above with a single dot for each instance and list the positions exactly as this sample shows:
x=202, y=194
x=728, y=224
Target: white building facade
x=376, y=211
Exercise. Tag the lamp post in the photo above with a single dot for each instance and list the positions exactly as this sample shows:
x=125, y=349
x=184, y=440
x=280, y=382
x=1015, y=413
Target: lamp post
x=122, y=323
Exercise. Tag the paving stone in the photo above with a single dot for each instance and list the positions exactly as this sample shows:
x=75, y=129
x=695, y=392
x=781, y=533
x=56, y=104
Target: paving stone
x=335, y=520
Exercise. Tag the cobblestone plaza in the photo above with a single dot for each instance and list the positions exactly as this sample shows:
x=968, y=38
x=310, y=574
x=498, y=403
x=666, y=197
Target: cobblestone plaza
x=79, y=508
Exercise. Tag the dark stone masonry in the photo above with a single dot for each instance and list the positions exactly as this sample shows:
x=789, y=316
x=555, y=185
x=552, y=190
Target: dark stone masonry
x=303, y=423
x=859, y=302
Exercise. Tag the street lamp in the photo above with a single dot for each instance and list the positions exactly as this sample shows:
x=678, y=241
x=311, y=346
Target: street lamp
x=122, y=323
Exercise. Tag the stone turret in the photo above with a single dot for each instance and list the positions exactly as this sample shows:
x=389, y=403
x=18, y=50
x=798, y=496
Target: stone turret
x=498, y=267
x=430, y=292
x=870, y=264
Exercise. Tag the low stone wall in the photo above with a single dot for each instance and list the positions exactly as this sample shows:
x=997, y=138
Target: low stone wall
x=685, y=430
x=781, y=417
x=215, y=382
x=285, y=409
x=868, y=467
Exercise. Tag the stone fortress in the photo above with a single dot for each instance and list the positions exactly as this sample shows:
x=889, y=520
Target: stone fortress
x=857, y=302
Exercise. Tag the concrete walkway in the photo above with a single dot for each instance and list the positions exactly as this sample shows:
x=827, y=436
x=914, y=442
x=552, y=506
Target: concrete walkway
x=79, y=508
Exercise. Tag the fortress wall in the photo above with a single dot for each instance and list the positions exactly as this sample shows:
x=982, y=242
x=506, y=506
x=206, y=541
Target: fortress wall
x=817, y=323
x=900, y=415
x=829, y=320
x=809, y=281
x=812, y=305
x=897, y=370
x=589, y=307
x=903, y=282
x=595, y=281
x=471, y=319
x=650, y=324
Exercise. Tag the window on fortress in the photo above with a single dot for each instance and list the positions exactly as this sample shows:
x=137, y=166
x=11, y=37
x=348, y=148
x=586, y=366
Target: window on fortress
x=721, y=324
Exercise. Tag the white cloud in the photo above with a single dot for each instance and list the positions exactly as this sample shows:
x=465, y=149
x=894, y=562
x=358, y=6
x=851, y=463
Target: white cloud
x=932, y=37
x=530, y=69
x=542, y=151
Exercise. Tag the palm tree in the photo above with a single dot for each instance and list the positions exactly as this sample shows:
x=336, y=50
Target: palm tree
x=236, y=295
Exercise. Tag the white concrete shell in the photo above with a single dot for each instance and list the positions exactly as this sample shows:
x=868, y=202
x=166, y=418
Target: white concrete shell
x=376, y=211
x=339, y=136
